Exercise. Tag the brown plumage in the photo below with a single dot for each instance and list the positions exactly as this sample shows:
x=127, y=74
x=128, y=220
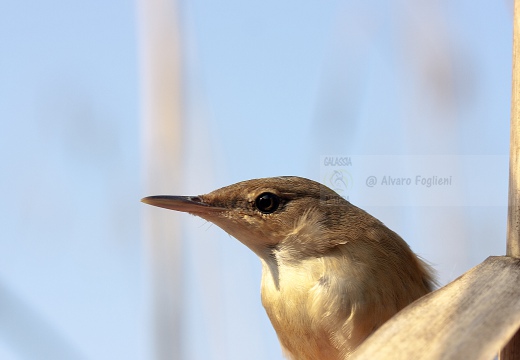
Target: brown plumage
x=332, y=273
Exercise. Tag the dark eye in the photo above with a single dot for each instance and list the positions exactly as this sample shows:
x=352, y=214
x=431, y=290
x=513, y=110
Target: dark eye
x=267, y=203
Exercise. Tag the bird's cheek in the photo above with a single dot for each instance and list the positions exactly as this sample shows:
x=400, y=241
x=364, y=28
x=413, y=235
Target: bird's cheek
x=248, y=229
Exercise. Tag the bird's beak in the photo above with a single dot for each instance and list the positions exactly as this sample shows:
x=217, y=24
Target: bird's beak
x=190, y=204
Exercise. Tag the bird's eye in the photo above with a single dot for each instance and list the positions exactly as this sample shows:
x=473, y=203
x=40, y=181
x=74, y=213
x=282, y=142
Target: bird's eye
x=267, y=202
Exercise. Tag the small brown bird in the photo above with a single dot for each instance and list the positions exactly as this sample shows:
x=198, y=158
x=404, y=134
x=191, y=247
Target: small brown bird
x=332, y=273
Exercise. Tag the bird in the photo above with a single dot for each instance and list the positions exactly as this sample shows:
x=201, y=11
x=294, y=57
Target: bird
x=331, y=273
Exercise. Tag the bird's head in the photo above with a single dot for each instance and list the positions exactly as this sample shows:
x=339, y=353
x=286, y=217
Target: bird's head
x=262, y=213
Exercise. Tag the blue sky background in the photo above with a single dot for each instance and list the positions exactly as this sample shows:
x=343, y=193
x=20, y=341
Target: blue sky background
x=268, y=88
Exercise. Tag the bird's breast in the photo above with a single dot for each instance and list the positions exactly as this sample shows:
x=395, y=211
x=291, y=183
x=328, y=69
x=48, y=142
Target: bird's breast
x=306, y=310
